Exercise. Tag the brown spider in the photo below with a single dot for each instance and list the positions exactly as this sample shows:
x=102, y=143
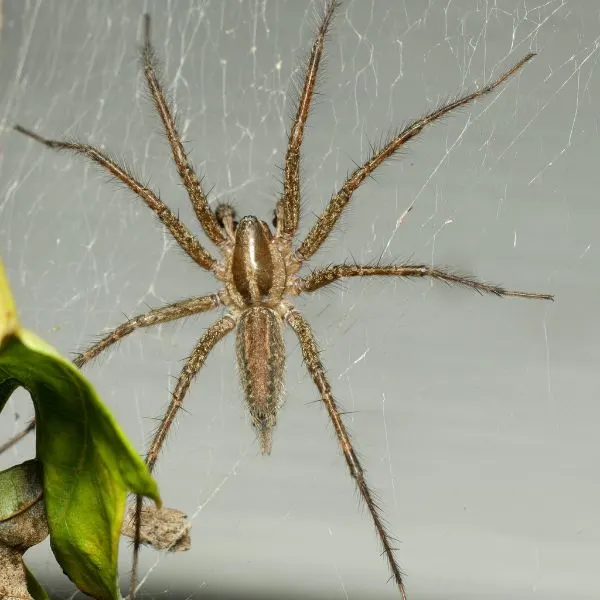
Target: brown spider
x=259, y=269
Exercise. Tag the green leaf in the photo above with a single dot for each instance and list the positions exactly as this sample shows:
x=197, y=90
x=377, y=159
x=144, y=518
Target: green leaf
x=34, y=588
x=87, y=462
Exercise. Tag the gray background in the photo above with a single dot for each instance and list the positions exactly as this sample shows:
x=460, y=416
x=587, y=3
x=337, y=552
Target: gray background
x=477, y=417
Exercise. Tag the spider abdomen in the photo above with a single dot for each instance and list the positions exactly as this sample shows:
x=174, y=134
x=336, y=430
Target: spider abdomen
x=261, y=359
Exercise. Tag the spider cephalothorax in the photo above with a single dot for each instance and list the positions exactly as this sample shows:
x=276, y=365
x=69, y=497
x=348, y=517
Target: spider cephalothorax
x=259, y=269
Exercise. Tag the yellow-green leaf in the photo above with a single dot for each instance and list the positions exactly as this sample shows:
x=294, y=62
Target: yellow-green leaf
x=88, y=464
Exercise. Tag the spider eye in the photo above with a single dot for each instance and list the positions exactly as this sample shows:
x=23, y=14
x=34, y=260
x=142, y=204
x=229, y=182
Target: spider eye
x=274, y=221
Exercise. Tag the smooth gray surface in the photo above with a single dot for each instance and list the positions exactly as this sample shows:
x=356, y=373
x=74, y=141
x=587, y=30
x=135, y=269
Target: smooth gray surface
x=477, y=417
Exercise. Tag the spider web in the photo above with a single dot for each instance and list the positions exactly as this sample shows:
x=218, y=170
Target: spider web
x=474, y=415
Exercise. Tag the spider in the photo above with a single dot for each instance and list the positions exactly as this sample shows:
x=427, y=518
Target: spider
x=259, y=268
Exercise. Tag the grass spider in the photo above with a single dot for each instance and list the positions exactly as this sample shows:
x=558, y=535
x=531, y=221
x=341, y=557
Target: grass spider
x=258, y=268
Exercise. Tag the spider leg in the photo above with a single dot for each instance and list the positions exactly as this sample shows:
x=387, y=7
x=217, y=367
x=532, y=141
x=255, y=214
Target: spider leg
x=193, y=364
x=310, y=353
x=177, y=310
x=18, y=437
x=186, y=172
x=178, y=230
x=322, y=277
x=156, y=316
x=290, y=201
x=326, y=222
